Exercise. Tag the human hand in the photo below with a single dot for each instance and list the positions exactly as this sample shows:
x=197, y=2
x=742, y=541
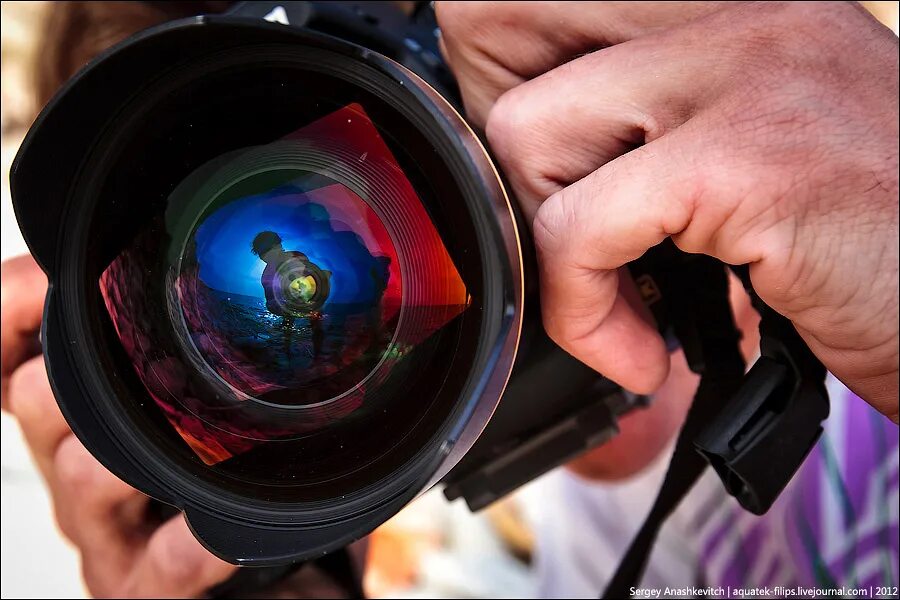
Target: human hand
x=760, y=133
x=125, y=550
x=645, y=434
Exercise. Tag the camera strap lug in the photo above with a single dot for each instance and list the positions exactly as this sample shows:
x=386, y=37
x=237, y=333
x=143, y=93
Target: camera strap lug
x=763, y=434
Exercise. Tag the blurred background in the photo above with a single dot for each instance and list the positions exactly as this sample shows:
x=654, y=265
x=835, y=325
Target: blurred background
x=421, y=553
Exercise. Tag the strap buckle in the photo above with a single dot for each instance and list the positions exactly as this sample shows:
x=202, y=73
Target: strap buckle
x=765, y=431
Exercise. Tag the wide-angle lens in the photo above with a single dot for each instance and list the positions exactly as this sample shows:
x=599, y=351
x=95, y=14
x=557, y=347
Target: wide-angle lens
x=292, y=292
x=285, y=282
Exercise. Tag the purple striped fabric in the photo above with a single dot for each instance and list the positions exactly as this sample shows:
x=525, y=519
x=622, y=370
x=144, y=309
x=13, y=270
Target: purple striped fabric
x=836, y=524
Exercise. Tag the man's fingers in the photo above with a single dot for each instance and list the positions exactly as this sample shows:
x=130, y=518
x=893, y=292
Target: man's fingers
x=565, y=126
x=22, y=289
x=87, y=500
x=82, y=482
x=494, y=46
x=559, y=127
x=98, y=512
x=611, y=217
x=587, y=231
x=175, y=565
x=32, y=402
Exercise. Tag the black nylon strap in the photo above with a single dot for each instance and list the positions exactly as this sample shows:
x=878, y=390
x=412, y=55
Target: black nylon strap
x=755, y=429
x=694, y=290
x=685, y=468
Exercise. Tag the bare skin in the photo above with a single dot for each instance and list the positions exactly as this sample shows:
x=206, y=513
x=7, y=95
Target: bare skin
x=124, y=551
x=760, y=133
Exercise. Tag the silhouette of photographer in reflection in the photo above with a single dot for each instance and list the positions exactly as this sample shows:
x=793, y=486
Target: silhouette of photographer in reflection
x=294, y=287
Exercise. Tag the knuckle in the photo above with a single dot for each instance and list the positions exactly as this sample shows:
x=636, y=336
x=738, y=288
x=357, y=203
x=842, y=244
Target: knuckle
x=562, y=333
x=527, y=141
x=545, y=230
x=555, y=224
x=178, y=559
x=521, y=137
x=508, y=123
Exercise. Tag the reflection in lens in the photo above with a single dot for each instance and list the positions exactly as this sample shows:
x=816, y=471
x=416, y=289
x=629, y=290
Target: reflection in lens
x=295, y=288
x=299, y=275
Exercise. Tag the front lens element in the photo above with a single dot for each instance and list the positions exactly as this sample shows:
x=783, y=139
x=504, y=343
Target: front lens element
x=297, y=287
x=305, y=287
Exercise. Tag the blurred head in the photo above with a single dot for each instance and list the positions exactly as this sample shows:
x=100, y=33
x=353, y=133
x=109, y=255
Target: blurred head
x=265, y=243
x=76, y=32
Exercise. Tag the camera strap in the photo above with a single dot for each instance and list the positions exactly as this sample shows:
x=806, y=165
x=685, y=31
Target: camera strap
x=756, y=440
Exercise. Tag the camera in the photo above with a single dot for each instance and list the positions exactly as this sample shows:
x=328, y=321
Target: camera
x=287, y=287
x=289, y=293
